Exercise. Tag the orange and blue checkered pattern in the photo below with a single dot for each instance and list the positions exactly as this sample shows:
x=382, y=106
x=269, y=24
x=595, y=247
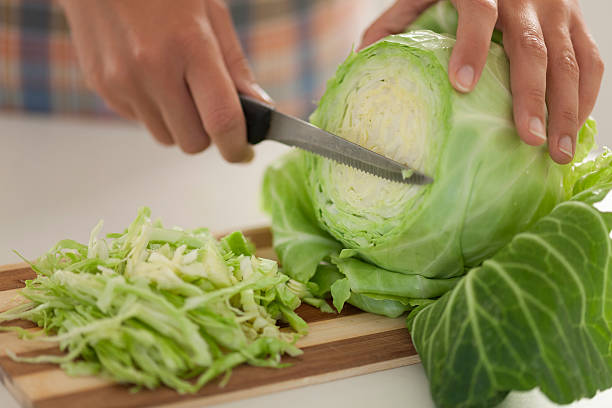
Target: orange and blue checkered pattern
x=294, y=46
x=38, y=66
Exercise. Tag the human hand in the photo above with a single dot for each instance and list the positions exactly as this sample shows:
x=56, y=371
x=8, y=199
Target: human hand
x=176, y=68
x=554, y=61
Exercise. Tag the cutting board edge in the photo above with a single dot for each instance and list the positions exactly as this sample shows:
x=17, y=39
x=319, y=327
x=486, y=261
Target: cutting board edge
x=12, y=267
x=16, y=392
x=293, y=384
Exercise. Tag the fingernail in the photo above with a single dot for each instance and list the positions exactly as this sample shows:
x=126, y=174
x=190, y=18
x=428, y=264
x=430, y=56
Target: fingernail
x=465, y=78
x=262, y=94
x=536, y=128
x=565, y=145
x=249, y=155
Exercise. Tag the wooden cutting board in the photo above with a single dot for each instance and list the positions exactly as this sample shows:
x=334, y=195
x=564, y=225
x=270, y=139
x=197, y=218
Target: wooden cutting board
x=337, y=346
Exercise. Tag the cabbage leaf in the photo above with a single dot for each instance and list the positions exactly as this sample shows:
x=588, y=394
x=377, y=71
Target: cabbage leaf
x=537, y=314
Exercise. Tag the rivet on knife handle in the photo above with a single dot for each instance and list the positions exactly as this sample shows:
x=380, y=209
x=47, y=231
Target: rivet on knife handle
x=257, y=115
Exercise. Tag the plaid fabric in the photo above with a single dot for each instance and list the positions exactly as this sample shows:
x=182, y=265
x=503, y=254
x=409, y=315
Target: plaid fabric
x=294, y=46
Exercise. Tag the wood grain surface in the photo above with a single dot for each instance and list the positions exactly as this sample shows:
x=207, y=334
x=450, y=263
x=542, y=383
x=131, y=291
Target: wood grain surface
x=337, y=346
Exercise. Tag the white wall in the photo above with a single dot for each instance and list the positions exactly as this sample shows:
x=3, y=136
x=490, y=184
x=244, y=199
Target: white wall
x=597, y=15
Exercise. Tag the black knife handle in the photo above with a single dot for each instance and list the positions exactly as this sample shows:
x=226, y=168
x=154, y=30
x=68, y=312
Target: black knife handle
x=257, y=115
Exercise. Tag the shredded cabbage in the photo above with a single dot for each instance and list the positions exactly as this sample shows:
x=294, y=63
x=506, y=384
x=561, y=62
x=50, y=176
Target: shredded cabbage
x=157, y=306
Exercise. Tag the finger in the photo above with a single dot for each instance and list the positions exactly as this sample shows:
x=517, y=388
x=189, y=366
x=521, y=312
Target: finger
x=233, y=55
x=117, y=76
x=119, y=102
x=167, y=93
x=121, y=107
x=181, y=117
x=217, y=101
x=591, y=71
x=524, y=44
x=394, y=20
x=151, y=117
x=477, y=20
x=561, y=92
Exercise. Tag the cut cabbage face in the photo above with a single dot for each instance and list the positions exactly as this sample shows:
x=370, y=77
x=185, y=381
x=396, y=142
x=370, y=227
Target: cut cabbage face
x=389, y=109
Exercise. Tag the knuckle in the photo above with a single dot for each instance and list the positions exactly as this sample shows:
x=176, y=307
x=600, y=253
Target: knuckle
x=531, y=41
x=117, y=76
x=153, y=63
x=147, y=57
x=239, y=65
x=93, y=79
x=223, y=120
x=537, y=95
x=236, y=59
x=566, y=62
x=485, y=7
x=570, y=117
x=598, y=63
x=561, y=12
x=192, y=40
x=222, y=8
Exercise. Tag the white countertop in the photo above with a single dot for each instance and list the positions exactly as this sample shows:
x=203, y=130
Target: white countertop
x=59, y=177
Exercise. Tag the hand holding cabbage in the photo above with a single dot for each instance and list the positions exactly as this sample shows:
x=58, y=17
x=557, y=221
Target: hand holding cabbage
x=552, y=56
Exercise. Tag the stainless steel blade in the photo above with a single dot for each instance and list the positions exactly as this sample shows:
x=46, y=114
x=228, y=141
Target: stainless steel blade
x=295, y=132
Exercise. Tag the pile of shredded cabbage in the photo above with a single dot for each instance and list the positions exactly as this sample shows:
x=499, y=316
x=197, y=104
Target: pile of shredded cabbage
x=157, y=306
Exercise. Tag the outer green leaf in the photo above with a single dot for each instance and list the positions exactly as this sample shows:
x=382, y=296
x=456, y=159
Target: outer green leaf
x=386, y=307
x=366, y=278
x=341, y=292
x=538, y=314
x=299, y=242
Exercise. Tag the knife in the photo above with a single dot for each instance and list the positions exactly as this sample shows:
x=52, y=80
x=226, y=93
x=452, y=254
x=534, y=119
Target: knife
x=263, y=122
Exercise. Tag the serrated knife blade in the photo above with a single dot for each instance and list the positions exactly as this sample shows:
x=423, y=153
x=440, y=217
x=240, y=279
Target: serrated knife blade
x=266, y=123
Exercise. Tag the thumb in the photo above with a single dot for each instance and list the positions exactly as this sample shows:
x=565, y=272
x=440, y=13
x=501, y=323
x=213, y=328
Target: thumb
x=394, y=20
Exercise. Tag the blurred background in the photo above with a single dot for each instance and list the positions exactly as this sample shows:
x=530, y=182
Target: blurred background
x=66, y=161
x=594, y=15
x=293, y=46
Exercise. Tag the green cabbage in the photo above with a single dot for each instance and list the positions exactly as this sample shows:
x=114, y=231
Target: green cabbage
x=390, y=248
x=394, y=98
